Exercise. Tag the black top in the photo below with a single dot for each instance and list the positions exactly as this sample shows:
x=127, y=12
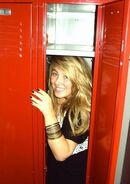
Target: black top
x=73, y=169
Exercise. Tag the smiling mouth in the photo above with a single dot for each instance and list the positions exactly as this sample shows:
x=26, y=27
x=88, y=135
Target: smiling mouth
x=59, y=89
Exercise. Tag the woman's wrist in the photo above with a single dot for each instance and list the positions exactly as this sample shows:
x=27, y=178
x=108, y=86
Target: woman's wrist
x=53, y=131
x=48, y=123
x=50, y=119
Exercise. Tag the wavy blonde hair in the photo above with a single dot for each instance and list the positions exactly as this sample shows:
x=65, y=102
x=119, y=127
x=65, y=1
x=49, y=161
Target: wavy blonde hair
x=78, y=105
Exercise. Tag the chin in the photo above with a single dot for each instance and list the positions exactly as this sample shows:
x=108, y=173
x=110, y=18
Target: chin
x=60, y=96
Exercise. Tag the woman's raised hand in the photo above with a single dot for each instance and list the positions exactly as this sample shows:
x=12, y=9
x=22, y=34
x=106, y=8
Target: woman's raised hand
x=41, y=100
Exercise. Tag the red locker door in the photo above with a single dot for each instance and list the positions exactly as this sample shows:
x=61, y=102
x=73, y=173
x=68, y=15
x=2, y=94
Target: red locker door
x=106, y=87
x=16, y=123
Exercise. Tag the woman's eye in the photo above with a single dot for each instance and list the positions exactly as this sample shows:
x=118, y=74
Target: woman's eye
x=54, y=74
x=65, y=77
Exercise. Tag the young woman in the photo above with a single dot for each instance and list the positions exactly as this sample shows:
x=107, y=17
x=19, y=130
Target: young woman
x=66, y=110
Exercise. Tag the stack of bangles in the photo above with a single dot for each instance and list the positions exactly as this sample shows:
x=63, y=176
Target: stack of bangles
x=53, y=131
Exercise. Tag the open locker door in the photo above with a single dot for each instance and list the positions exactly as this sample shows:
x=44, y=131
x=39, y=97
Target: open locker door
x=105, y=91
x=18, y=160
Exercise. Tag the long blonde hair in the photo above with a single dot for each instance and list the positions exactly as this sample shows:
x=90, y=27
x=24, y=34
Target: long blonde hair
x=78, y=105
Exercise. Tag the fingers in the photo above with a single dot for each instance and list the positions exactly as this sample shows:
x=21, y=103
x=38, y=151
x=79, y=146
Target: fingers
x=37, y=105
x=37, y=94
x=40, y=99
x=42, y=92
x=37, y=99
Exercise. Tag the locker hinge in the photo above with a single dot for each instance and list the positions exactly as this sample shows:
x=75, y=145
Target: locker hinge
x=129, y=58
x=121, y=63
x=45, y=169
x=122, y=46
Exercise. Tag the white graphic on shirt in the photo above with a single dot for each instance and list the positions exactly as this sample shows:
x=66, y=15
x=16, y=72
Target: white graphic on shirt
x=81, y=147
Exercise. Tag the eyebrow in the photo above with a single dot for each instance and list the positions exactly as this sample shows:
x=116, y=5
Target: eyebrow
x=54, y=70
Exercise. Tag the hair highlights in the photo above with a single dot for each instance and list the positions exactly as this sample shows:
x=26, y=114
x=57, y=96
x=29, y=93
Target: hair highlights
x=78, y=105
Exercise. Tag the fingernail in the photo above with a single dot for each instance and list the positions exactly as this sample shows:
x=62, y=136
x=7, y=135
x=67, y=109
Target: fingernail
x=32, y=91
x=38, y=89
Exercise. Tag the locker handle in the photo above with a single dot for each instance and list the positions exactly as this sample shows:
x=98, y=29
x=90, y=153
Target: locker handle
x=5, y=11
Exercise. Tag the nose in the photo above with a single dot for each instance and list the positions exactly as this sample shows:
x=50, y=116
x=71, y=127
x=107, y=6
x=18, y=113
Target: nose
x=59, y=79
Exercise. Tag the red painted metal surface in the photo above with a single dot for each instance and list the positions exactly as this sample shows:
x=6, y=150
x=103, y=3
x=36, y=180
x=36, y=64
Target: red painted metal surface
x=15, y=123
x=19, y=136
x=23, y=68
x=123, y=73
x=96, y=80
x=112, y=33
x=98, y=2
x=74, y=1
x=41, y=77
x=103, y=128
x=58, y=1
x=106, y=87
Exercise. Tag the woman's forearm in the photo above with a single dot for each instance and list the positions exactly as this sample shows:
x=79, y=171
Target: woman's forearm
x=61, y=148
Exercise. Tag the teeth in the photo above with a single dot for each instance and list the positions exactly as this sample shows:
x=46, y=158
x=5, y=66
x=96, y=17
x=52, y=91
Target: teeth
x=59, y=89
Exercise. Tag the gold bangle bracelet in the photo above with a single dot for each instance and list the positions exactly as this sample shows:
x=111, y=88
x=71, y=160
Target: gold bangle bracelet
x=53, y=131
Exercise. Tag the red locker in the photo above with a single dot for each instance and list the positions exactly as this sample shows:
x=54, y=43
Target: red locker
x=23, y=68
x=19, y=131
x=106, y=91
x=111, y=67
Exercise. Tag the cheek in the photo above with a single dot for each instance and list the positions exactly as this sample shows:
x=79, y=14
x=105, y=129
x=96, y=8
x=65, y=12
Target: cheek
x=52, y=80
x=69, y=86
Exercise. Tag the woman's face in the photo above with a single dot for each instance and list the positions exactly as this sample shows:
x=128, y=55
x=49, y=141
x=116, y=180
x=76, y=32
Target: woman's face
x=61, y=84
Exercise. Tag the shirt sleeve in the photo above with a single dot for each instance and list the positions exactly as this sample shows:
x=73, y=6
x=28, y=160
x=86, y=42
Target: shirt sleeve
x=67, y=132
